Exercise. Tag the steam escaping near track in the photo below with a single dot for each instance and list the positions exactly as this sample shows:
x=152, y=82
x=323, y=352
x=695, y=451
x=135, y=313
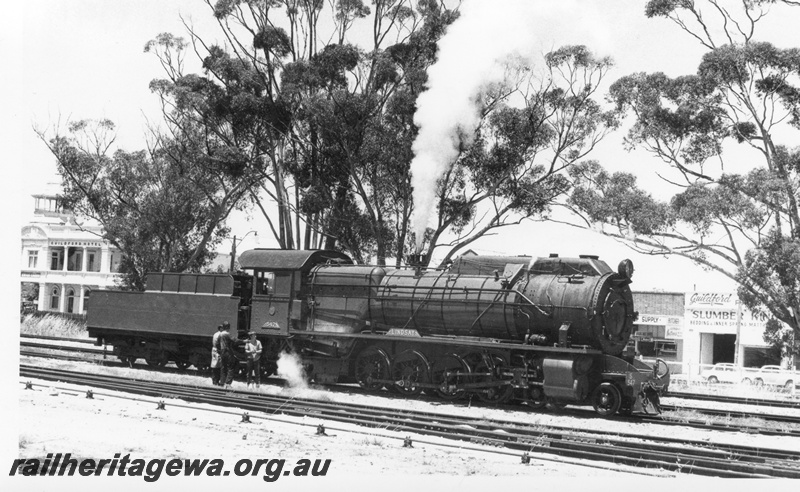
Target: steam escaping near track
x=290, y=368
x=471, y=57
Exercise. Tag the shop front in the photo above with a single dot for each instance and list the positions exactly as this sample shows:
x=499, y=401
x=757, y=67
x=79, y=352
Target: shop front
x=719, y=329
x=659, y=337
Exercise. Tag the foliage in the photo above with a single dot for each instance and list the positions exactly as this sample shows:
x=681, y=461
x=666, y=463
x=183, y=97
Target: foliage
x=147, y=203
x=516, y=165
x=323, y=130
x=744, y=224
x=30, y=292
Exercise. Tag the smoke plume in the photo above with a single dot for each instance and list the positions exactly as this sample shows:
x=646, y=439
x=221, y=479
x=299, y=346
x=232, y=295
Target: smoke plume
x=291, y=369
x=471, y=57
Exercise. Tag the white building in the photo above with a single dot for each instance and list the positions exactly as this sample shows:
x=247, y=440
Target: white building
x=694, y=330
x=719, y=328
x=67, y=259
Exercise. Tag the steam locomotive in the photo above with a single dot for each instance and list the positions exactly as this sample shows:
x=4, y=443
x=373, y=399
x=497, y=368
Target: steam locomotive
x=535, y=330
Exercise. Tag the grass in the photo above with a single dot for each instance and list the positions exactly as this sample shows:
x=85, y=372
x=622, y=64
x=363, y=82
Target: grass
x=727, y=389
x=686, y=416
x=52, y=326
x=373, y=442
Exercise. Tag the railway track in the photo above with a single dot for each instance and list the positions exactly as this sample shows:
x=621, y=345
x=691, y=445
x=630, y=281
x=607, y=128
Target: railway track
x=59, y=339
x=679, y=415
x=793, y=402
x=677, y=455
x=788, y=402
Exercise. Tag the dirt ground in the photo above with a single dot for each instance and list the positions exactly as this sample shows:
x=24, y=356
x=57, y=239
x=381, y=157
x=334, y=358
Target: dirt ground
x=58, y=418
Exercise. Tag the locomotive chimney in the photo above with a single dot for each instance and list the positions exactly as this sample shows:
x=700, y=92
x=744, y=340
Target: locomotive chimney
x=416, y=260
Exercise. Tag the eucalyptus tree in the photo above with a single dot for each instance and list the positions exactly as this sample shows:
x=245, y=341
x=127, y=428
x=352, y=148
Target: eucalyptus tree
x=515, y=165
x=149, y=208
x=738, y=218
x=309, y=101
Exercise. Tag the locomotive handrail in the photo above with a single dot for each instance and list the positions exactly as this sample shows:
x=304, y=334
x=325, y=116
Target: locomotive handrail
x=541, y=311
x=486, y=310
x=660, y=362
x=423, y=301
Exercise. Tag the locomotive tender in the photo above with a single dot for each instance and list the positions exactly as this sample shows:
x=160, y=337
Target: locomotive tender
x=536, y=330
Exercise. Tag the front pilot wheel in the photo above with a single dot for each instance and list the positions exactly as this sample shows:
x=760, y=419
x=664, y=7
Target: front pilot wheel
x=607, y=399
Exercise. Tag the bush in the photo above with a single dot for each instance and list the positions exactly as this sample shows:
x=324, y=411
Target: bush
x=53, y=325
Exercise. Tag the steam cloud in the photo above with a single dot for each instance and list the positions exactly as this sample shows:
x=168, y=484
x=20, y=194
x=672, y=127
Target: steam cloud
x=470, y=58
x=291, y=369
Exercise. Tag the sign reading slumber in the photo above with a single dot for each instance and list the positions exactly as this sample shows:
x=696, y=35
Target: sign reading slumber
x=720, y=310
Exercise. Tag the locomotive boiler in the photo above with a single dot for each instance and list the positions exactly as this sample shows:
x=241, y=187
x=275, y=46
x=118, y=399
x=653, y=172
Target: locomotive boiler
x=533, y=330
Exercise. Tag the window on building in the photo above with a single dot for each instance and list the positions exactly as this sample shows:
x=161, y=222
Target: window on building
x=44, y=204
x=75, y=260
x=91, y=264
x=54, y=298
x=55, y=261
x=71, y=301
x=663, y=349
x=33, y=259
x=86, y=298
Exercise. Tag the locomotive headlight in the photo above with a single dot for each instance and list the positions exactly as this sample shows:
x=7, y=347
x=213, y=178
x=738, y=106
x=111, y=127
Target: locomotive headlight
x=625, y=268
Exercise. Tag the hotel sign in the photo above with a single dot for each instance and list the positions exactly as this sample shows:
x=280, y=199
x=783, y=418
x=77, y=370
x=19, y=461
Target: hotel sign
x=94, y=244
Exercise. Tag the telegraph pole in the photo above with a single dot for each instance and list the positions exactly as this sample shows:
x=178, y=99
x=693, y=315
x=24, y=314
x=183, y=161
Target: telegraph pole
x=233, y=254
x=233, y=249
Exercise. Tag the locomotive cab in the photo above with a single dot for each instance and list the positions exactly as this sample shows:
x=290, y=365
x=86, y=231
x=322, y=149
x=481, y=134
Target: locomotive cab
x=279, y=302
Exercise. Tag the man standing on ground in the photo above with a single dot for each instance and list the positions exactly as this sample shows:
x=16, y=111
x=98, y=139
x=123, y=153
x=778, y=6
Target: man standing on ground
x=229, y=362
x=216, y=358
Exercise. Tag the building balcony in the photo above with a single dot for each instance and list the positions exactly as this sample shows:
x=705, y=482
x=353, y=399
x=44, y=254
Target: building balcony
x=68, y=277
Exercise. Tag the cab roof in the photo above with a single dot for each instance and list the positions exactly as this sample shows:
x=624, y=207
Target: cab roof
x=288, y=259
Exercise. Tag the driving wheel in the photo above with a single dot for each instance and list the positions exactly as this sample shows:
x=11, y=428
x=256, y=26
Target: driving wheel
x=372, y=365
x=486, y=367
x=409, y=369
x=444, y=375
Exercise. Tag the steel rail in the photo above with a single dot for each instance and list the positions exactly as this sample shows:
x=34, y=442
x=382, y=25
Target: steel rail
x=64, y=348
x=733, y=426
x=789, y=419
x=741, y=461
x=794, y=403
x=54, y=338
x=526, y=457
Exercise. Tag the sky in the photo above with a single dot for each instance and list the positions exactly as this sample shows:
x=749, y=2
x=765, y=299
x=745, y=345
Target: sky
x=76, y=59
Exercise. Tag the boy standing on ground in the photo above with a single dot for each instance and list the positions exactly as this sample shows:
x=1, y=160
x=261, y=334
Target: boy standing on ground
x=253, y=349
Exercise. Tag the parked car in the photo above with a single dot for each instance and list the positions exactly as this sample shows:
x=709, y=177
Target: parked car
x=725, y=372
x=775, y=376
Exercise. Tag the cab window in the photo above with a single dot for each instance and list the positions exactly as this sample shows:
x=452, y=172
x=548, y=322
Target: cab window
x=265, y=282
